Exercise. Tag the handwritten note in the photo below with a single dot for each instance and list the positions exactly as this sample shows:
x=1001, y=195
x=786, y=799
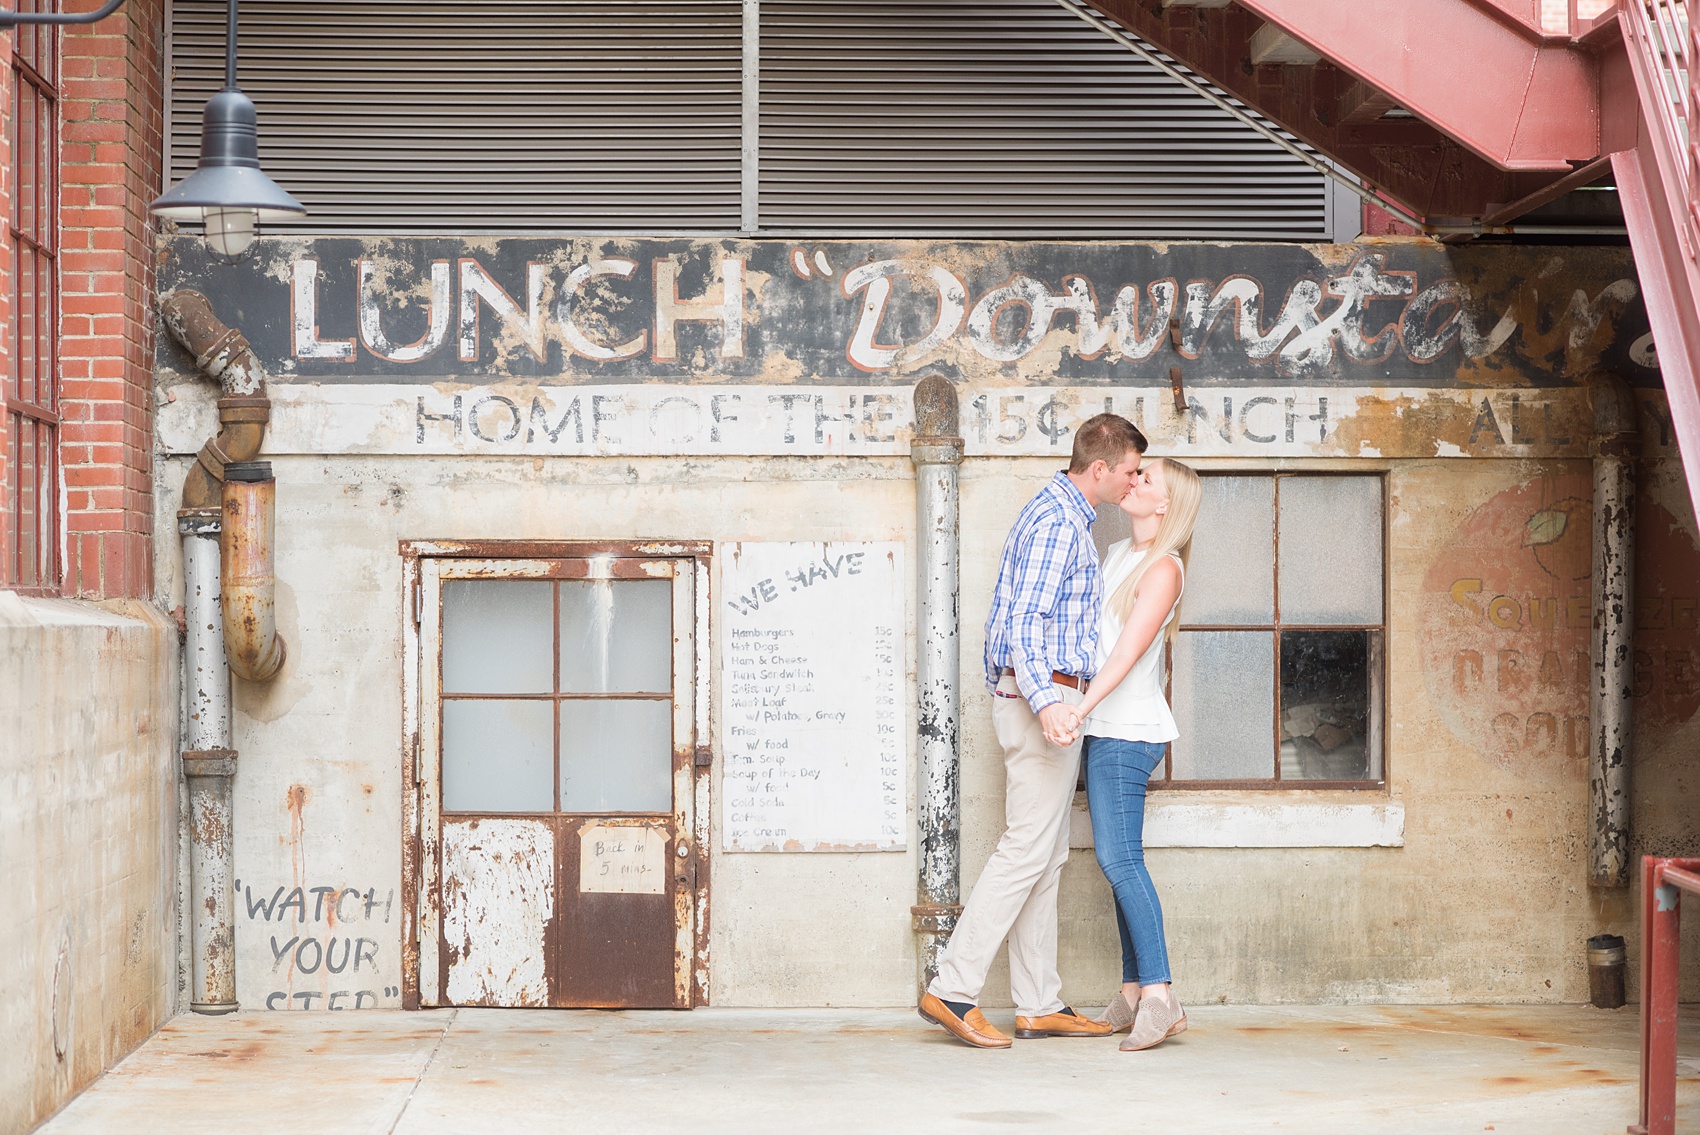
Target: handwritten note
x=622, y=859
x=812, y=724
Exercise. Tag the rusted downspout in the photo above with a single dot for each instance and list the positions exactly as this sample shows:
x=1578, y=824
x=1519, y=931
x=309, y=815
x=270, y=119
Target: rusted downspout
x=1616, y=435
x=936, y=451
x=223, y=355
x=254, y=649
x=247, y=580
x=209, y=763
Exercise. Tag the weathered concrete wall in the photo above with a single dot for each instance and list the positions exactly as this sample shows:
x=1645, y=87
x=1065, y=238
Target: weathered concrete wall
x=1486, y=900
x=318, y=788
x=619, y=388
x=88, y=823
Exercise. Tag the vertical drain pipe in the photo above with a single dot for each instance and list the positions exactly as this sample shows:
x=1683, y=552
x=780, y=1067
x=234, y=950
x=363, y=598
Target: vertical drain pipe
x=1616, y=434
x=209, y=763
x=937, y=451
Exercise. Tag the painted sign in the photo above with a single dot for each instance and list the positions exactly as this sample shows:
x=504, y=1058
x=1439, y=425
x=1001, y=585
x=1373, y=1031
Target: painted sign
x=763, y=420
x=633, y=346
x=1507, y=622
x=812, y=673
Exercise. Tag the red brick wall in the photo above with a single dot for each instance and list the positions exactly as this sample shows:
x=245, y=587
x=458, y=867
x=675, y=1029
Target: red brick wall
x=6, y=187
x=112, y=146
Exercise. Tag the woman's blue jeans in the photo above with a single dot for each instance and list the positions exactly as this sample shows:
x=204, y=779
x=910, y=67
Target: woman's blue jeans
x=1116, y=775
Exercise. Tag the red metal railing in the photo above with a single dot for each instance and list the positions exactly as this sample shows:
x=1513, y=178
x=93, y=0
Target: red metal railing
x=1659, y=32
x=1662, y=881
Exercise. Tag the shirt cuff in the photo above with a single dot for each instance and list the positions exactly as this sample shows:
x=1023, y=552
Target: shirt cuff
x=1045, y=696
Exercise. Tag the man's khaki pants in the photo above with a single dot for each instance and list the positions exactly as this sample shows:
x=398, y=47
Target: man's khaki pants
x=1016, y=895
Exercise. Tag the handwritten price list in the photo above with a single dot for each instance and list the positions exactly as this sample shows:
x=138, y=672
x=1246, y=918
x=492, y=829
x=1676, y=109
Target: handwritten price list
x=812, y=721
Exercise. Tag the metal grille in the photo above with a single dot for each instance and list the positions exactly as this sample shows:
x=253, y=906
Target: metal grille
x=1008, y=118
x=998, y=118
x=508, y=115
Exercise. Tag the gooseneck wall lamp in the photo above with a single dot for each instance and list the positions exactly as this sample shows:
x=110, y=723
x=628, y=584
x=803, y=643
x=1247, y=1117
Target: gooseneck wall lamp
x=58, y=19
x=228, y=193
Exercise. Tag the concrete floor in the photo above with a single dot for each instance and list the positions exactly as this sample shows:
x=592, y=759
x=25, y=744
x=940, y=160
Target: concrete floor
x=1537, y=1070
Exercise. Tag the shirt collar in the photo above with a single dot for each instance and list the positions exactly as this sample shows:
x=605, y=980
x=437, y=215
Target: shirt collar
x=1074, y=499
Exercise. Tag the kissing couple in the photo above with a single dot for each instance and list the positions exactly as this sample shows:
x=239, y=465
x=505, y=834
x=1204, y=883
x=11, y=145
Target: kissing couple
x=1074, y=652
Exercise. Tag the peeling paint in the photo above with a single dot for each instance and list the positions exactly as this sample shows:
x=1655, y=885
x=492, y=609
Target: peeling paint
x=498, y=900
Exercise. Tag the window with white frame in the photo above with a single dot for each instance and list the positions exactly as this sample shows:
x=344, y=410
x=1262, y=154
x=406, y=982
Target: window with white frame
x=1277, y=670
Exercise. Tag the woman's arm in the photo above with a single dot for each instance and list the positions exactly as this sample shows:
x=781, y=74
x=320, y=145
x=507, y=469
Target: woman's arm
x=1157, y=594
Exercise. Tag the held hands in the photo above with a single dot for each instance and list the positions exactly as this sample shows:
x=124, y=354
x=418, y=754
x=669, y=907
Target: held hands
x=1060, y=722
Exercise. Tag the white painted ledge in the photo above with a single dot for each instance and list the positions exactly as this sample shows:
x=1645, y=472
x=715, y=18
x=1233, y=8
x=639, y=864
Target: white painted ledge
x=1192, y=822
x=29, y=611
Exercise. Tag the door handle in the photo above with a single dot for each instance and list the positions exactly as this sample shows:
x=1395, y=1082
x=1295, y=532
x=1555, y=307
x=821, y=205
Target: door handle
x=682, y=872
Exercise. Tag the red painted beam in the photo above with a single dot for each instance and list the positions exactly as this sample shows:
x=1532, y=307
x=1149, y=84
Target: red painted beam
x=1407, y=161
x=1518, y=99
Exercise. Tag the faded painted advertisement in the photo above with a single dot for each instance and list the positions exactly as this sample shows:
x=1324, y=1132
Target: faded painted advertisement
x=634, y=346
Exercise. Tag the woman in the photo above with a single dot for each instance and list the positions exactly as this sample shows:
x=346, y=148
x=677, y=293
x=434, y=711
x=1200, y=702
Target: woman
x=1127, y=724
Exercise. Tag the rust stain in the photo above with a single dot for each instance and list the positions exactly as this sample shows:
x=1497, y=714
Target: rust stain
x=1446, y=423
x=295, y=803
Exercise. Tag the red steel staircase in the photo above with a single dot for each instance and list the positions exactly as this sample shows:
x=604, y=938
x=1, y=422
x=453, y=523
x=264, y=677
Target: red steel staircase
x=1658, y=182
x=1499, y=108
x=1464, y=115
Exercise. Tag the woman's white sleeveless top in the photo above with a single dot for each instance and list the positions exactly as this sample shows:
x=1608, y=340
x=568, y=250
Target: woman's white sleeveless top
x=1136, y=710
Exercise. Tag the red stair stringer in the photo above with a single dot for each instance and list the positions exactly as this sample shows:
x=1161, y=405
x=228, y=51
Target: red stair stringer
x=1657, y=194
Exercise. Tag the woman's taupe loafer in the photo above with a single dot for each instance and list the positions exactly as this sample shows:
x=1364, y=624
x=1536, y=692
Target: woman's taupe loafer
x=1119, y=1015
x=1155, y=1021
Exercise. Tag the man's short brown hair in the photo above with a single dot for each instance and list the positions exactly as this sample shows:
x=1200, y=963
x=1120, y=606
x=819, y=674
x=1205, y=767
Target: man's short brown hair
x=1108, y=438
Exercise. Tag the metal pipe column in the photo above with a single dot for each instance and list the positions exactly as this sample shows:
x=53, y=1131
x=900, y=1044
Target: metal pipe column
x=209, y=763
x=936, y=451
x=1613, y=642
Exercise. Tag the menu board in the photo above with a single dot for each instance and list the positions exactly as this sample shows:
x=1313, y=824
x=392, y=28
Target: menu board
x=812, y=681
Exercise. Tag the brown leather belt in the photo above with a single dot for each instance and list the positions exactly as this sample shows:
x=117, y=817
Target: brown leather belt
x=1072, y=681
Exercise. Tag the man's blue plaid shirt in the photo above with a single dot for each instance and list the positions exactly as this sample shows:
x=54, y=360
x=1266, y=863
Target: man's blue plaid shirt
x=1045, y=605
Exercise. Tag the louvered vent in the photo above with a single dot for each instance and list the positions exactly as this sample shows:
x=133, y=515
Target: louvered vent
x=1003, y=118
x=995, y=118
x=440, y=116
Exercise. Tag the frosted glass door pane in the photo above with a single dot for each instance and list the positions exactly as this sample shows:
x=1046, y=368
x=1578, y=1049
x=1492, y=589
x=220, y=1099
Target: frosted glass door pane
x=1224, y=690
x=1230, y=576
x=497, y=637
x=1331, y=550
x=616, y=756
x=617, y=636
x=498, y=756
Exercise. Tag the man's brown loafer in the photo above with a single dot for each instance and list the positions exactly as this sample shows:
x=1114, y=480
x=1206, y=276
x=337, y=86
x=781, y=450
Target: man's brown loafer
x=1064, y=1022
x=972, y=1028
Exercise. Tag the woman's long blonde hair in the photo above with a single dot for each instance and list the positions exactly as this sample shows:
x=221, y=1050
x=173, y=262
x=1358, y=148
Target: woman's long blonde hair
x=1174, y=534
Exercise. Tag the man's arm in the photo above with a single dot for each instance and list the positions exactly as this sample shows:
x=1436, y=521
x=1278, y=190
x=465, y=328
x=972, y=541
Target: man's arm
x=1042, y=562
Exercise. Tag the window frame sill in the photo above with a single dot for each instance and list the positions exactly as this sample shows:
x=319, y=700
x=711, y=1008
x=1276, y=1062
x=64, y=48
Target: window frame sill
x=1258, y=819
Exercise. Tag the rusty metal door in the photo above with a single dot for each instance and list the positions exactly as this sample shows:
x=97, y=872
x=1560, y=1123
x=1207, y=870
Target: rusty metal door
x=558, y=732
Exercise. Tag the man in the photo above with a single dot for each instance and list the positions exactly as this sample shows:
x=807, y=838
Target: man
x=1040, y=637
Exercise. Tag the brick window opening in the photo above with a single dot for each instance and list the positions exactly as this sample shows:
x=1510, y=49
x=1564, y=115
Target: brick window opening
x=32, y=383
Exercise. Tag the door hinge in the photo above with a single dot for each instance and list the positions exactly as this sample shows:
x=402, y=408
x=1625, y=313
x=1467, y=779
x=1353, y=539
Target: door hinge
x=418, y=773
x=418, y=603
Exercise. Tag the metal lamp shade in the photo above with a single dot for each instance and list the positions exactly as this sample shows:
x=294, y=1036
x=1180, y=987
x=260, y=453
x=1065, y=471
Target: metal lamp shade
x=228, y=176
